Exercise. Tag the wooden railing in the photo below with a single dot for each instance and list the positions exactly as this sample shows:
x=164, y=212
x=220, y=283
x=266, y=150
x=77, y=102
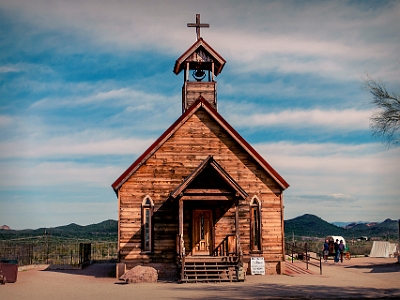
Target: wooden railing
x=303, y=253
x=227, y=246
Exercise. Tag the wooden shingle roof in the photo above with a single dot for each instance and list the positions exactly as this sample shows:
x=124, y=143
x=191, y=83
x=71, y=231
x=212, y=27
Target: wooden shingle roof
x=200, y=45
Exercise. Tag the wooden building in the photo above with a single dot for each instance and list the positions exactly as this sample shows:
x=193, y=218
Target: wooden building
x=200, y=201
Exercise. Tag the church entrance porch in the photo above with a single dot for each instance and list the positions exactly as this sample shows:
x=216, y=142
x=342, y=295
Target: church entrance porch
x=209, y=244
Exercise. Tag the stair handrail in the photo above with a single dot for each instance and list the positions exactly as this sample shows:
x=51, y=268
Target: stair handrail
x=220, y=250
x=292, y=249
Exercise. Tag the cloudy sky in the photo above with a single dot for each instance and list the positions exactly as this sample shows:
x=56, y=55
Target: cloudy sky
x=86, y=86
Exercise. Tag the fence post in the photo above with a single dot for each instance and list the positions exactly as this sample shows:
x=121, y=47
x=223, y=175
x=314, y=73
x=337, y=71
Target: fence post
x=292, y=251
x=306, y=257
x=47, y=250
x=320, y=265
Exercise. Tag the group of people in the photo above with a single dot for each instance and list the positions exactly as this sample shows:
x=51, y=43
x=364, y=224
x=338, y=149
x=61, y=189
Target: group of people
x=338, y=247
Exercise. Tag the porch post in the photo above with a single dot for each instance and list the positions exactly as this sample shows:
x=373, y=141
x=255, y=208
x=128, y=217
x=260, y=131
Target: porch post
x=237, y=226
x=181, y=227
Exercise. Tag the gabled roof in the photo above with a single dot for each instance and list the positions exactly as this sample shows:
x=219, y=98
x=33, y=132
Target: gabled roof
x=219, y=62
x=200, y=103
x=209, y=161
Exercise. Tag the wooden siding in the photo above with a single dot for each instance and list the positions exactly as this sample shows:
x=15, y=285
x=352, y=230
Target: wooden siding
x=199, y=137
x=191, y=91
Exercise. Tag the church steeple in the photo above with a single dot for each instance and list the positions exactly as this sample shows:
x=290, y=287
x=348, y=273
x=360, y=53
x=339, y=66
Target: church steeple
x=201, y=64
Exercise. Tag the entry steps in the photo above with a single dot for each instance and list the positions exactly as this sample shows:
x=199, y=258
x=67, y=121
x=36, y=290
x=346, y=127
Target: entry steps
x=209, y=269
x=292, y=269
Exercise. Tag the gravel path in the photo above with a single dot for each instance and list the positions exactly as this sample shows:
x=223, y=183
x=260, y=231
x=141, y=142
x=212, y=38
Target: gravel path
x=358, y=278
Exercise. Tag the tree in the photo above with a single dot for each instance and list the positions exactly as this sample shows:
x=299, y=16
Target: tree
x=386, y=121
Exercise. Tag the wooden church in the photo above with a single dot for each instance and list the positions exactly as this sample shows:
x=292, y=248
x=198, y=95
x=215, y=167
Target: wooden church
x=200, y=203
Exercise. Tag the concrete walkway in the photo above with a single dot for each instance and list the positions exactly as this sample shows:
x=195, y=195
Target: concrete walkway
x=358, y=278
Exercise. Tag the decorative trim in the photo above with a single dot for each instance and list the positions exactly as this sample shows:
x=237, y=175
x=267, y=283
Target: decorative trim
x=144, y=202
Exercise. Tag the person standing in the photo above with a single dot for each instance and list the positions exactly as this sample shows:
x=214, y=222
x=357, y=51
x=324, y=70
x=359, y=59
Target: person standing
x=326, y=250
x=341, y=250
x=337, y=252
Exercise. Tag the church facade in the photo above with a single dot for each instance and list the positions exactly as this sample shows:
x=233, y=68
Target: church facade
x=200, y=202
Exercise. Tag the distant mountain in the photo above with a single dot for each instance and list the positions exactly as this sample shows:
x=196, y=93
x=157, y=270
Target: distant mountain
x=106, y=230
x=341, y=224
x=350, y=224
x=388, y=228
x=313, y=226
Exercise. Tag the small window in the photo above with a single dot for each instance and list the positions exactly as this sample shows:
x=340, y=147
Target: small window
x=147, y=224
x=255, y=224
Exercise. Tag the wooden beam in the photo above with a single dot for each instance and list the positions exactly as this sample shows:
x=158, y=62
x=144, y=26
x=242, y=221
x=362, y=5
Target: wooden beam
x=237, y=226
x=205, y=197
x=207, y=192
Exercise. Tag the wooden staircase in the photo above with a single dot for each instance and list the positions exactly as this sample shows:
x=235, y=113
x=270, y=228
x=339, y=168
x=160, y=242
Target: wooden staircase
x=295, y=269
x=209, y=269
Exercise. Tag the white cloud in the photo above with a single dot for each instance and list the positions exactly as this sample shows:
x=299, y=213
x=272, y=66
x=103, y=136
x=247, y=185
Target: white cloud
x=344, y=120
x=338, y=41
x=8, y=69
x=364, y=176
x=341, y=196
x=41, y=175
x=329, y=39
x=79, y=145
x=6, y=120
x=106, y=97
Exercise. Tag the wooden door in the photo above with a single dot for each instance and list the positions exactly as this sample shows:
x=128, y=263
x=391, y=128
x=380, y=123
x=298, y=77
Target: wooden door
x=202, y=232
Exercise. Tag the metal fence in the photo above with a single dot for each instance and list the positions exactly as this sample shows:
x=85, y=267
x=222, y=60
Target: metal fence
x=56, y=250
x=303, y=253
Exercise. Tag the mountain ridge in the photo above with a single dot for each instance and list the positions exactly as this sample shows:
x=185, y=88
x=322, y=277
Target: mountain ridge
x=313, y=226
x=105, y=230
x=307, y=225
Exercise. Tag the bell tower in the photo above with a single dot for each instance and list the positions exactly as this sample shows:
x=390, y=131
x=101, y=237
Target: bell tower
x=200, y=64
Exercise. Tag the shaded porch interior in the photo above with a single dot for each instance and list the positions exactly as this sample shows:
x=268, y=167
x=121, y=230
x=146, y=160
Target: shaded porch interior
x=209, y=232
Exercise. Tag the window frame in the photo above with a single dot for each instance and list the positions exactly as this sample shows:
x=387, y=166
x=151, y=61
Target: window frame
x=147, y=225
x=255, y=225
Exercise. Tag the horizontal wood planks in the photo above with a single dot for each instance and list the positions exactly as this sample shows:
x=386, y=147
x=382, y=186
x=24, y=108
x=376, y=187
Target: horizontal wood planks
x=199, y=137
x=191, y=91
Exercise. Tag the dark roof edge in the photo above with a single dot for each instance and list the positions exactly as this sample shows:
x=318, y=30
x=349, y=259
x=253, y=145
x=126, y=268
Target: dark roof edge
x=192, y=48
x=142, y=158
x=282, y=182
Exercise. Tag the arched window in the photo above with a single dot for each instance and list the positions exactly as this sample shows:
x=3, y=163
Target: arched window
x=255, y=224
x=147, y=224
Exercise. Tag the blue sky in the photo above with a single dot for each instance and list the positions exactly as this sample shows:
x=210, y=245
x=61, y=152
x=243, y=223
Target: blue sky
x=86, y=86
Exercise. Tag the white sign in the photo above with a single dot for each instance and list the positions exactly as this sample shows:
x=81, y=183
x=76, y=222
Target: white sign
x=257, y=266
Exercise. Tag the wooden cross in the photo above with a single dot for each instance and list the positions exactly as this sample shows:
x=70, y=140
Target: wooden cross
x=198, y=25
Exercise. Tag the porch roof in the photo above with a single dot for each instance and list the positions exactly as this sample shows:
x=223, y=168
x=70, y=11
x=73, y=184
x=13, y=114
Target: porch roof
x=209, y=161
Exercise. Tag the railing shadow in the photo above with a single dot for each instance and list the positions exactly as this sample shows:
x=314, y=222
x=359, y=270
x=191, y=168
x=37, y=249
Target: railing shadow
x=379, y=268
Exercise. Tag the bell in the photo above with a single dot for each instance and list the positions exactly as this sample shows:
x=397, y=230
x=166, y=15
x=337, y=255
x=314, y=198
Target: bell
x=199, y=75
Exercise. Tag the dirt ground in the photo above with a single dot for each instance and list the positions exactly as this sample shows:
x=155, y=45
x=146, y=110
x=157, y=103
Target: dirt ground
x=358, y=278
